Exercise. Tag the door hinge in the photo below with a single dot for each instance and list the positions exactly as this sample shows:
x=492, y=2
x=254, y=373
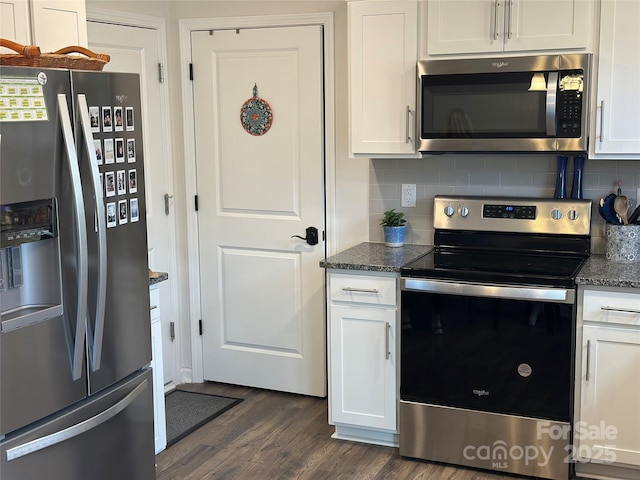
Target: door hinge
x=172, y=331
x=160, y=73
x=200, y=327
x=196, y=202
x=191, y=72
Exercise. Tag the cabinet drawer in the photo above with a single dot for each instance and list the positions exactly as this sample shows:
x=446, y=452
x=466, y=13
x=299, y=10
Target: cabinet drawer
x=611, y=307
x=154, y=303
x=370, y=289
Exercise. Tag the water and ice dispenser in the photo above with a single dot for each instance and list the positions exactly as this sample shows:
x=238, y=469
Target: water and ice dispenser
x=30, y=281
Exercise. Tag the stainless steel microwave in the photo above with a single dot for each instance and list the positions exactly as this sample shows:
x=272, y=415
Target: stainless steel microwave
x=507, y=104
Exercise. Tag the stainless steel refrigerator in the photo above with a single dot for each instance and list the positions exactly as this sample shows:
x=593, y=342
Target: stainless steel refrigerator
x=75, y=341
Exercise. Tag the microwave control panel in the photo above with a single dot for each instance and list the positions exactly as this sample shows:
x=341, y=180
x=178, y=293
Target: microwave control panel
x=569, y=104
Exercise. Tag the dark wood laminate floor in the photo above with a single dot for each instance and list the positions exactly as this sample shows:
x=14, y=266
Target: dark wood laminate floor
x=273, y=435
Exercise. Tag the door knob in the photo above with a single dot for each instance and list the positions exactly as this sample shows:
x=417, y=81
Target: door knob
x=311, y=236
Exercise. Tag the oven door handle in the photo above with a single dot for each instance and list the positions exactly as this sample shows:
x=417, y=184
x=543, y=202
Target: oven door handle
x=513, y=292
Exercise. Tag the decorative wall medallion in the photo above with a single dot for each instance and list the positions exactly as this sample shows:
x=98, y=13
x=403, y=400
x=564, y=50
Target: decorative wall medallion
x=255, y=115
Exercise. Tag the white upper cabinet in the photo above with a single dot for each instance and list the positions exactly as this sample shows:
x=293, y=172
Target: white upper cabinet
x=14, y=21
x=49, y=24
x=383, y=42
x=488, y=26
x=58, y=23
x=617, y=102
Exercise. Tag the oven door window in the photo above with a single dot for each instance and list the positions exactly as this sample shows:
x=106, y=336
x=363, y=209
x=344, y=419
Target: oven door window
x=487, y=105
x=494, y=355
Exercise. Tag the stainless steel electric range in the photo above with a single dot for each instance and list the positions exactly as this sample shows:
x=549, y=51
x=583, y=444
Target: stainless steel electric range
x=488, y=335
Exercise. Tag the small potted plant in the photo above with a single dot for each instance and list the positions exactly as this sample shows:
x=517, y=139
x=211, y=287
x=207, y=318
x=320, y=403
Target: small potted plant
x=393, y=225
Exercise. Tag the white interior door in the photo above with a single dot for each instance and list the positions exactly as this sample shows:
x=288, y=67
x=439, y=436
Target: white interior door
x=135, y=50
x=262, y=291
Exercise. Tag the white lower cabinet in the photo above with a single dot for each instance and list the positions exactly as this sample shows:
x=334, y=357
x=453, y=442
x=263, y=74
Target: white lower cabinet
x=363, y=357
x=159, y=420
x=607, y=428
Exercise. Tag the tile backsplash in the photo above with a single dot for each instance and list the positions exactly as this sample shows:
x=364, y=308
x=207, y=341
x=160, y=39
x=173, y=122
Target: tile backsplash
x=501, y=175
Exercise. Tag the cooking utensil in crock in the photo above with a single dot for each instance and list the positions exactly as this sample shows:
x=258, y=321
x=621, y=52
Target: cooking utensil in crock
x=606, y=209
x=621, y=206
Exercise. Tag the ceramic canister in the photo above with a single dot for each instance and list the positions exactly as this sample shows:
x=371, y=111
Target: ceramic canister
x=622, y=243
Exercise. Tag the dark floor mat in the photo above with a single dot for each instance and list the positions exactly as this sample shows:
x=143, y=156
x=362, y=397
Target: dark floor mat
x=188, y=411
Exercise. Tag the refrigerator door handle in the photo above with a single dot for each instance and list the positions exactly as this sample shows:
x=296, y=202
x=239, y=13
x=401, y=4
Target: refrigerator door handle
x=96, y=331
x=77, y=429
x=77, y=356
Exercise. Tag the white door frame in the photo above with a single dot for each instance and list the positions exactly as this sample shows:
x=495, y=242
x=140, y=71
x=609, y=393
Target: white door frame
x=186, y=26
x=157, y=24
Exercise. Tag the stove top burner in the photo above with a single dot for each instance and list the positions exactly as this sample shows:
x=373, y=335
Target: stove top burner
x=523, y=241
x=496, y=267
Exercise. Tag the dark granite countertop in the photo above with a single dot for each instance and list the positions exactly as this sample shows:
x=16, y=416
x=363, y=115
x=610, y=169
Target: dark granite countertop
x=375, y=257
x=598, y=271
x=161, y=277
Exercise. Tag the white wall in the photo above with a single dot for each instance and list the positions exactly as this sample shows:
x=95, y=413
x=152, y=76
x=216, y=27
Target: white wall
x=352, y=175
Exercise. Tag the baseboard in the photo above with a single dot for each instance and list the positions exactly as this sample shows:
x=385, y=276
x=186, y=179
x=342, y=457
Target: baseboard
x=599, y=471
x=364, y=435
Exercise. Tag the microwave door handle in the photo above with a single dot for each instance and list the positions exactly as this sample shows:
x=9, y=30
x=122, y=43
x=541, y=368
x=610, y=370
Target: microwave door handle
x=81, y=237
x=95, y=346
x=552, y=102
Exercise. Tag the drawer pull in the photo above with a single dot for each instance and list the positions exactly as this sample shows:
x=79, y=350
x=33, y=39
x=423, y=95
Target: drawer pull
x=153, y=307
x=623, y=310
x=360, y=290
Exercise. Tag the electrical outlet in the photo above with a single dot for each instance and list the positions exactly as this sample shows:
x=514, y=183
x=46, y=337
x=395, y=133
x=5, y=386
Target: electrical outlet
x=408, y=195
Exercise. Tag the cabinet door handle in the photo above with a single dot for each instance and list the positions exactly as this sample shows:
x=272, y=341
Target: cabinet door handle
x=360, y=290
x=408, y=125
x=153, y=307
x=510, y=29
x=614, y=309
x=495, y=19
x=588, y=360
x=387, y=331
x=601, y=137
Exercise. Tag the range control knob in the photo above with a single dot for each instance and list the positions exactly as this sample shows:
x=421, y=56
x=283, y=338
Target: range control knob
x=556, y=214
x=449, y=211
x=572, y=215
x=463, y=211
